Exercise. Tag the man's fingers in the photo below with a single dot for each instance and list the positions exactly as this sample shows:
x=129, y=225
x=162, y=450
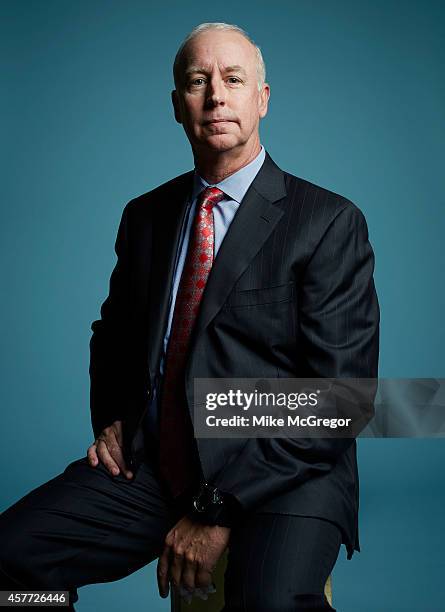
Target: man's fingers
x=107, y=450
x=113, y=450
x=92, y=455
x=117, y=427
x=162, y=572
x=203, y=578
x=189, y=573
x=106, y=458
x=176, y=568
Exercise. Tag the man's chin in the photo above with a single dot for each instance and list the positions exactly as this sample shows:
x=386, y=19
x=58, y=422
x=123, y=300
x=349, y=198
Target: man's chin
x=219, y=143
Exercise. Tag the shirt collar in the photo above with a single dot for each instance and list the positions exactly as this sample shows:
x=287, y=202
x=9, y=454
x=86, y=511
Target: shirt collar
x=235, y=185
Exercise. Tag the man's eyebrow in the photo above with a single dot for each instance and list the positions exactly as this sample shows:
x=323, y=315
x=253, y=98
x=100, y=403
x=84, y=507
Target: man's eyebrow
x=235, y=68
x=202, y=69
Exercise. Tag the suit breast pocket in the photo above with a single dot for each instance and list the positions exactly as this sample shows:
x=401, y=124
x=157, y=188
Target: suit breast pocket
x=261, y=296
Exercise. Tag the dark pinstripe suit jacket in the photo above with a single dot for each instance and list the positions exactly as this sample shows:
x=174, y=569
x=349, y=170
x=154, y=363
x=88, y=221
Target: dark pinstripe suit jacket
x=290, y=294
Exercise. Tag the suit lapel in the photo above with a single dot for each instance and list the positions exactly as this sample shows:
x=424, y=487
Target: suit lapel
x=168, y=217
x=253, y=223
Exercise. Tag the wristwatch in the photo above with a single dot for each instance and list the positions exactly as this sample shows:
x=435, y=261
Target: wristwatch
x=212, y=507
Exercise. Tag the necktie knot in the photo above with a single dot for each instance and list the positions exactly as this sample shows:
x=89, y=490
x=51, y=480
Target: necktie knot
x=211, y=196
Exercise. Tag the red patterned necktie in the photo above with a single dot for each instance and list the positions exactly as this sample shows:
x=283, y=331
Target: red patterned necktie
x=178, y=454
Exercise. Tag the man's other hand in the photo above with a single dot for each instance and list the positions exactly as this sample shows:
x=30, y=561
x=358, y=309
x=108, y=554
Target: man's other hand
x=107, y=449
x=190, y=554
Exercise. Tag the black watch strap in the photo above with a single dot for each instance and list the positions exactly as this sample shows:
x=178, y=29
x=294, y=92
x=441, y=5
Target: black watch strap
x=212, y=507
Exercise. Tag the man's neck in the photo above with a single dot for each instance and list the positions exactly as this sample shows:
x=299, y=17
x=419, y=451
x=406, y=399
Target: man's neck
x=214, y=169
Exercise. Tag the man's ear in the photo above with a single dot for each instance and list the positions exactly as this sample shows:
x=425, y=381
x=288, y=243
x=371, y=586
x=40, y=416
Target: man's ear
x=264, y=100
x=176, y=108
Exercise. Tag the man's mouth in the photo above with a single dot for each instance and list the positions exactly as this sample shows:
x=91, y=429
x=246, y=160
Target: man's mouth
x=218, y=121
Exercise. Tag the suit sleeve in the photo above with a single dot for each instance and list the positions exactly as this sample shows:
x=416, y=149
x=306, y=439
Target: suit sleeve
x=108, y=361
x=338, y=315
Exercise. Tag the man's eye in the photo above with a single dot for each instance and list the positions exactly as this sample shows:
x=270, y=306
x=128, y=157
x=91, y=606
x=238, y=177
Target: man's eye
x=199, y=81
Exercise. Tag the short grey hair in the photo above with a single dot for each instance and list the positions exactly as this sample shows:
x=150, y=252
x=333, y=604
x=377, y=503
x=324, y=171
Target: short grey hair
x=203, y=27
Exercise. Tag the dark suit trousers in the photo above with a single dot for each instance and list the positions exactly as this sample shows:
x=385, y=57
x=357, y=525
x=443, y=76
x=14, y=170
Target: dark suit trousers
x=85, y=526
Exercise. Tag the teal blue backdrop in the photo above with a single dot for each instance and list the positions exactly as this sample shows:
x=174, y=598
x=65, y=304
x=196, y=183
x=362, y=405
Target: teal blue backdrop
x=357, y=106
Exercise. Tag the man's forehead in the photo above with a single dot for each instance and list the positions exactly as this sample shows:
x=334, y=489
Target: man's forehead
x=208, y=67
x=227, y=48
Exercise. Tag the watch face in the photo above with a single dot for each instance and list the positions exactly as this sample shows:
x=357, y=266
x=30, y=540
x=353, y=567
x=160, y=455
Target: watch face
x=207, y=497
x=199, y=505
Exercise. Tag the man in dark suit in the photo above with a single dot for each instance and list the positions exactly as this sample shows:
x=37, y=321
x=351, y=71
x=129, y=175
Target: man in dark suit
x=234, y=270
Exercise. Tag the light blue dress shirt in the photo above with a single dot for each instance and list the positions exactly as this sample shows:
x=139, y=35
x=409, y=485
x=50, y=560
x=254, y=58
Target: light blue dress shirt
x=235, y=187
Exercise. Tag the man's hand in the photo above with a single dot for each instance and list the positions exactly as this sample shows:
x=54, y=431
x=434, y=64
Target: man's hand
x=107, y=449
x=190, y=554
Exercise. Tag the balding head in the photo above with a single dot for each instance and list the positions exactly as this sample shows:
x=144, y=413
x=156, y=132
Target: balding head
x=220, y=96
x=178, y=65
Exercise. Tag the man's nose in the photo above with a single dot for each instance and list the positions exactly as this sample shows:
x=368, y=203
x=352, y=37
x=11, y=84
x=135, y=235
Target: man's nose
x=216, y=92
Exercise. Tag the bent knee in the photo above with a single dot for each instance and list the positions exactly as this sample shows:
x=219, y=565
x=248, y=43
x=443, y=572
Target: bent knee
x=18, y=554
x=10, y=553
